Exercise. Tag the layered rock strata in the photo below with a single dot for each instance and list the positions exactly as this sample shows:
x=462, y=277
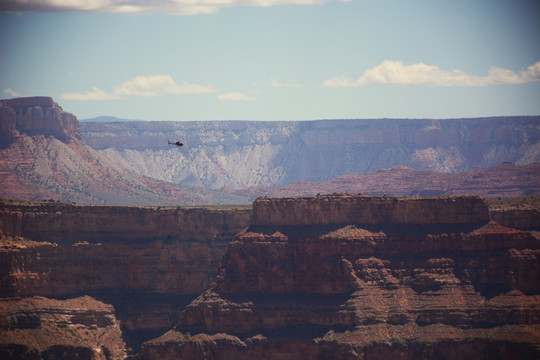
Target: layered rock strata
x=38, y=115
x=41, y=328
x=148, y=262
x=353, y=277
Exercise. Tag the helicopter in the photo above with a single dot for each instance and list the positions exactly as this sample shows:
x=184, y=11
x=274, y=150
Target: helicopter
x=178, y=143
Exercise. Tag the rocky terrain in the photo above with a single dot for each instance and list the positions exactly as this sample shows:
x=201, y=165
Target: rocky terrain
x=40, y=328
x=148, y=262
x=42, y=156
x=354, y=277
x=506, y=180
x=241, y=154
x=301, y=272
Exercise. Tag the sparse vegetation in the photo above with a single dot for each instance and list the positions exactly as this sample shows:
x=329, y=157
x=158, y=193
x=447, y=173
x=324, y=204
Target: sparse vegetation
x=530, y=202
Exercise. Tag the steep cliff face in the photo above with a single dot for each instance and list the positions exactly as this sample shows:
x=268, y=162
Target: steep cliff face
x=148, y=262
x=248, y=153
x=36, y=116
x=367, y=210
x=401, y=282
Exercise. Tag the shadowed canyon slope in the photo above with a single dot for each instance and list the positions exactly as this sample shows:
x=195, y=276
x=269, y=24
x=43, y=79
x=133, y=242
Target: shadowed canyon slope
x=240, y=154
x=42, y=156
x=303, y=278
x=353, y=277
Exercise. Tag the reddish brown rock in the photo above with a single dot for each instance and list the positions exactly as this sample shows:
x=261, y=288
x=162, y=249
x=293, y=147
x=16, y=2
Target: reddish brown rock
x=369, y=289
x=37, y=115
x=149, y=262
x=79, y=328
x=504, y=180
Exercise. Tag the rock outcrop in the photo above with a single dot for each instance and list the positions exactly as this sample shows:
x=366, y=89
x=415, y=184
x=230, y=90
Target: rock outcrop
x=390, y=280
x=37, y=115
x=505, y=180
x=41, y=328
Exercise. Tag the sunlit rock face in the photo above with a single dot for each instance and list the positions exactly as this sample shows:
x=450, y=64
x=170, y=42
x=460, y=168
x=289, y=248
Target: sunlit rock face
x=383, y=278
x=42, y=156
x=240, y=154
x=36, y=116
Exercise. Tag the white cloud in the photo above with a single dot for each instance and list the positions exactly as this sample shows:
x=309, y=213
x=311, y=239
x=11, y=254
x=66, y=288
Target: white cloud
x=277, y=84
x=142, y=86
x=420, y=74
x=235, y=96
x=158, y=85
x=11, y=93
x=179, y=7
x=95, y=94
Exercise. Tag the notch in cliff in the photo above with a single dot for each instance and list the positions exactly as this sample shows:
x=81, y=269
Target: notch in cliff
x=38, y=115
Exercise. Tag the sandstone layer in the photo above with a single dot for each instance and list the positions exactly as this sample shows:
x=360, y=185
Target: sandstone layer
x=148, y=262
x=41, y=328
x=365, y=287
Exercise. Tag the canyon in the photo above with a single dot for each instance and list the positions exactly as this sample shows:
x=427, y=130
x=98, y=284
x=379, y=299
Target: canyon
x=121, y=260
x=244, y=154
x=42, y=156
x=355, y=276
x=45, y=153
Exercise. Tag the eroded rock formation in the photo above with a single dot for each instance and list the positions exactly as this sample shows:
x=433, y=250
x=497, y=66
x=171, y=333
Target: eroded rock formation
x=148, y=262
x=368, y=286
x=40, y=328
x=240, y=154
x=38, y=115
x=42, y=156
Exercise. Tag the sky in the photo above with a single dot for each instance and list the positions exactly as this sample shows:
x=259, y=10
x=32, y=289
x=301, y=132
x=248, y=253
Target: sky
x=274, y=59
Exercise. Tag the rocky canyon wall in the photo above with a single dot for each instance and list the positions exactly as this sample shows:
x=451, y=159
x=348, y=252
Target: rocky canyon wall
x=329, y=276
x=148, y=262
x=367, y=210
x=366, y=290
x=241, y=154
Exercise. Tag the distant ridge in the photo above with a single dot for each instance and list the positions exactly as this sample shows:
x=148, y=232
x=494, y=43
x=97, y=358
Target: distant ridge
x=107, y=119
x=243, y=154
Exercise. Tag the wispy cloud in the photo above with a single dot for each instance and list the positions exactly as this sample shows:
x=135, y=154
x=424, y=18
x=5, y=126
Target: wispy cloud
x=142, y=86
x=420, y=74
x=11, y=93
x=178, y=7
x=275, y=83
x=235, y=96
x=160, y=85
x=95, y=94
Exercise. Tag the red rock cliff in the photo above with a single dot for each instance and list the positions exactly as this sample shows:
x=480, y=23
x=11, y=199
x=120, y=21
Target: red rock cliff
x=36, y=116
x=147, y=261
x=342, y=288
x=358, y=209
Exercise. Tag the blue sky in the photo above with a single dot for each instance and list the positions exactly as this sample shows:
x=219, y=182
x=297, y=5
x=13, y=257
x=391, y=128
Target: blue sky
x=274, y=59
